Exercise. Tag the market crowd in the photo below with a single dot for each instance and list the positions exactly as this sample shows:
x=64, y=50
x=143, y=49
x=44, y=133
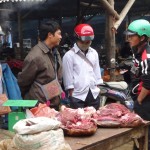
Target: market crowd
x=80, y=69
x=44, y=73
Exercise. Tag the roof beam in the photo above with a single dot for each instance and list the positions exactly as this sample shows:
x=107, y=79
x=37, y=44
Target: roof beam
x=11, y=10
x=28, y=13
x=123, y=13
x=83, y=13
x=110, y=9
x=92, y=5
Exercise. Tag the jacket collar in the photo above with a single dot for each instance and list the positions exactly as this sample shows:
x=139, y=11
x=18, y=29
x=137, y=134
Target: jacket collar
x=43, y=47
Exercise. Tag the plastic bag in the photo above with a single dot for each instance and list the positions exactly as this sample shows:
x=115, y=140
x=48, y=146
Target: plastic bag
x=49, y=140
x=44, y=111
x=35, y=125
x=5, y=143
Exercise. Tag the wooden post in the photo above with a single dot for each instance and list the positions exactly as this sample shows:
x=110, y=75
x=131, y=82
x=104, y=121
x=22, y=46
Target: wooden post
x=127, y=23
x=110, y=42
x=79, y=20
x=60, y=13
x=124, y=13
x=126, y=26
x=110, y=8
x=20, y=35
x=38, y=30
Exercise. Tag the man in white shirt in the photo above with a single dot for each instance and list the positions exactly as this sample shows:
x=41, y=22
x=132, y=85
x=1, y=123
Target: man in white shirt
x=81, y=70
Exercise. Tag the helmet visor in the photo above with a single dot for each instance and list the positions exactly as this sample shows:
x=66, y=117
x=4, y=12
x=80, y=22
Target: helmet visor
x=129, y=32
x=87, y=38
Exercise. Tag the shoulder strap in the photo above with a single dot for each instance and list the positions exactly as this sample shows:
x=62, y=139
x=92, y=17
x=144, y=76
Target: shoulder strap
x=83, y=57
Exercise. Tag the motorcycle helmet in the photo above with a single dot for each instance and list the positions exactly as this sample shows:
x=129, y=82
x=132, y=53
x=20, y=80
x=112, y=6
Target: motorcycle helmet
x=140, y=27
x=84, y=32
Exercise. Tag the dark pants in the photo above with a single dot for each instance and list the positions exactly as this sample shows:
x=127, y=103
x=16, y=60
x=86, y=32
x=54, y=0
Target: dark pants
x=143, y=111
x=55, y=103
x=89, y=101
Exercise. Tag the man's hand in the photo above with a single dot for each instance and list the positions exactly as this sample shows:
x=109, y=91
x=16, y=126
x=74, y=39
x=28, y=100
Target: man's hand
x=70, y=91
x=139, y=101
x=144, y=92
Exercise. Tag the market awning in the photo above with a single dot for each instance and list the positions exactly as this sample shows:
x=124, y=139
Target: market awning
x=1, y=1
x=40, y=9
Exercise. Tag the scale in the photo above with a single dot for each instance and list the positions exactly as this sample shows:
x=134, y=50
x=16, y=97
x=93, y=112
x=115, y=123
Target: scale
x=18, y=114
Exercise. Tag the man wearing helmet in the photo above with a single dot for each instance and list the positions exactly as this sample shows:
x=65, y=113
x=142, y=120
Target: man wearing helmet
x=138, y=34
x=81, y=70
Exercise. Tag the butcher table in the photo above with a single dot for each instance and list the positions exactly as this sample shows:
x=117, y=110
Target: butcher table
x=110, y=138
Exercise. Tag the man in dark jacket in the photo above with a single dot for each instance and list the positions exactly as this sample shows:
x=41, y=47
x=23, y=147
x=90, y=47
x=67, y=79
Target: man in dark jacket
x=138, y=34
x=39, y=65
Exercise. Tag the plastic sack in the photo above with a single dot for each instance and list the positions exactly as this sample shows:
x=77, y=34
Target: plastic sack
x=6, y=140
x=44, y=111
x=29, y=114
x=4, y=144
x=49, y=140
x=35, y=125
x=4, y=109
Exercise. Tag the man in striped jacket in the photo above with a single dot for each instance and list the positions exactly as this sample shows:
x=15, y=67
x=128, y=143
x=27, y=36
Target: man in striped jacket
x=138, y=35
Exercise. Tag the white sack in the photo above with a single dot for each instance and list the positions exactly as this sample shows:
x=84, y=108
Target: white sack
x=49, y=140
x=35, y=125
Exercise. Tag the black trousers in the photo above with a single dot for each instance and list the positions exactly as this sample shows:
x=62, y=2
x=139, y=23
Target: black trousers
x=143, y=111
x=89, y=101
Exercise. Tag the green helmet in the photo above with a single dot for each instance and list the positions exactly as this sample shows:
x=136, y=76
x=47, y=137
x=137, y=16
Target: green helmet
x=140, y=27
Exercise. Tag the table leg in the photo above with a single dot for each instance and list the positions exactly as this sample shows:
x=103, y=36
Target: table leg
x=143, y=141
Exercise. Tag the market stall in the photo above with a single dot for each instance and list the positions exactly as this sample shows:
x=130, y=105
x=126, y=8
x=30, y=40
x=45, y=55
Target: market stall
x=108, y=139
x=84, y=129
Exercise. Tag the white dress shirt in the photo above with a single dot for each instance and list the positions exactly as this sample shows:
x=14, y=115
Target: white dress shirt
x=81, y=76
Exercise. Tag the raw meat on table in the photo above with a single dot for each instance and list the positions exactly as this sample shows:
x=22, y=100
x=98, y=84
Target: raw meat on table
x=117, y=115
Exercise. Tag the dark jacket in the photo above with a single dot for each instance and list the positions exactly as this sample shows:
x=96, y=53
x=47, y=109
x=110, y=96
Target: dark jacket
x=38, y=67
x=142, y=68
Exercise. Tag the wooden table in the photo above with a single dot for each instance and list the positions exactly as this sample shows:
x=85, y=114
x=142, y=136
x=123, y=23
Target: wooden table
x=108, y=139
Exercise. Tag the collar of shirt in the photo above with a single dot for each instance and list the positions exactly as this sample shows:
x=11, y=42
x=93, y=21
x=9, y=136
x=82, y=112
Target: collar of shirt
x=78, y=50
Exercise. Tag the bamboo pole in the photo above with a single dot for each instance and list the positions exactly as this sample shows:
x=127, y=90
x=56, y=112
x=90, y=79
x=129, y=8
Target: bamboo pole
x=110, y=9
x=110, y=44
x=124, y=13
